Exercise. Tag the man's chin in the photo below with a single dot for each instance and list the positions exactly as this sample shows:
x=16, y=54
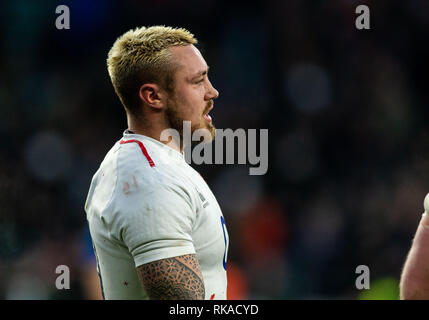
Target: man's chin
x=212, y=131
x=206, y=134
x=211, y=128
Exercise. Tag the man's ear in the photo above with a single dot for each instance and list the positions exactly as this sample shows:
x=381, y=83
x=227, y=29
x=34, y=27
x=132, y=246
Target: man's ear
x=152, y=95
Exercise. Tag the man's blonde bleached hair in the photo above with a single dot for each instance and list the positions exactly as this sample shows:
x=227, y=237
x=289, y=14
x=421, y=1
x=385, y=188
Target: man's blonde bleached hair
x=141, y=56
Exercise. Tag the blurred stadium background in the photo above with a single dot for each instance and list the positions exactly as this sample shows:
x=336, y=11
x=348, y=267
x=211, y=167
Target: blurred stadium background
x=347, y=116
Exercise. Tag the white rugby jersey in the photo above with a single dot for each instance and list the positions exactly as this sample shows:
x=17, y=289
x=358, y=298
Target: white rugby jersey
x=145, y=203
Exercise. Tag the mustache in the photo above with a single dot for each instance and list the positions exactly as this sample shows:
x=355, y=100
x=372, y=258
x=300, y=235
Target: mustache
x=208, y=106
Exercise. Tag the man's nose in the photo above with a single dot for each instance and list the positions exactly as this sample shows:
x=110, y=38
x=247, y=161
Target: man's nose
x=212, y=93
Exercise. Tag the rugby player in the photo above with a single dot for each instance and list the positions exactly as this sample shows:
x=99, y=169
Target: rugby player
x=156, y=227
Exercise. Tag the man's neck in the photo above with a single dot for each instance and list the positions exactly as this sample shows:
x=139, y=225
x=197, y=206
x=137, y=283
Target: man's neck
x=154, y=133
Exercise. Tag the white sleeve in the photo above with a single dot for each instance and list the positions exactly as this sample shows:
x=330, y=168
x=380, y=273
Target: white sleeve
x=159, y=225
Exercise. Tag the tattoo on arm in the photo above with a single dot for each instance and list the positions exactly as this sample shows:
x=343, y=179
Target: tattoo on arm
x=177, y=278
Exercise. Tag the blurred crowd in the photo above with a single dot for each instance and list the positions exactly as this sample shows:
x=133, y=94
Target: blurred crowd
x=346, y=111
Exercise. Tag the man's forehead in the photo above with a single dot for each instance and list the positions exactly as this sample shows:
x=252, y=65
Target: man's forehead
x=190, y=59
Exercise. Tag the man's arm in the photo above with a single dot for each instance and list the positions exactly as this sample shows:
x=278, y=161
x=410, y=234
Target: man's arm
x=415, y=275
x=177, y=278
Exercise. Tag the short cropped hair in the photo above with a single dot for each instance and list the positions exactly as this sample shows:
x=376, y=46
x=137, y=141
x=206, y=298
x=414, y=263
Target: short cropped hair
x=141, y=56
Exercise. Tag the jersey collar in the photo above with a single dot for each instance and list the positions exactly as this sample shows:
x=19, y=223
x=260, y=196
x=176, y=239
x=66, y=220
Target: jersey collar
x=172, y=152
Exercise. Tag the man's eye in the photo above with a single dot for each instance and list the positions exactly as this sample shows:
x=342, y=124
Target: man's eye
x=200, y=81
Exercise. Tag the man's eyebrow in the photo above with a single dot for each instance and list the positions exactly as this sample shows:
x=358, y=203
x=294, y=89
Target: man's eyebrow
x=201, y=73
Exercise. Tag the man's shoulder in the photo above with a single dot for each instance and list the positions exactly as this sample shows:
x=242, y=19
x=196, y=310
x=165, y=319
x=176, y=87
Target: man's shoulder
x=143, y=162
x=124, y=164
x=142, y=169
